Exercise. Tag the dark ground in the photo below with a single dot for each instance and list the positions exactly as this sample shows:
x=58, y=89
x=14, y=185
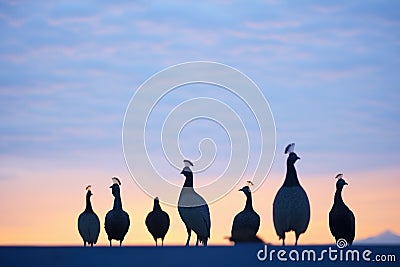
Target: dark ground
x=245, y=255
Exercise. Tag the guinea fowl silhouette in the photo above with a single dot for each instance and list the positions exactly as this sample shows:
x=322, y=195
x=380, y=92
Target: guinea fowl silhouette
x=193, y=209
x=291, y=208
x=157, y=222
x=247, y=222
x=88, y=222
x=342, y=222
x=117, y=220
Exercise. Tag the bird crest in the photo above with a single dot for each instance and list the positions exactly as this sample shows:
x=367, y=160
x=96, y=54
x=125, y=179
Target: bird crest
x=88, y=187
x=290, y=148
x=339, y=176
x=116, y=180
x=188, y=163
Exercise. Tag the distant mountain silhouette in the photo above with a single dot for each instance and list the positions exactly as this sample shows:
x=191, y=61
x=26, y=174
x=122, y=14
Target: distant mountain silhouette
x=385, y=238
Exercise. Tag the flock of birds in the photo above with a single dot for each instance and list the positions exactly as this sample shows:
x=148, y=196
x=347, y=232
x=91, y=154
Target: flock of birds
x=291, y=212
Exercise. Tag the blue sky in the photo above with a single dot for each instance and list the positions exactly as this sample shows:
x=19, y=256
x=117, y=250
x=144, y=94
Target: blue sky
x=328, y=70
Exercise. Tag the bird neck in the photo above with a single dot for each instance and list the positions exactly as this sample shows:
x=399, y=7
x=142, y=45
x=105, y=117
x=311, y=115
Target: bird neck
x=156, y=207
x=249, y=202
x=338, y=196
x=188, y=180
x=88, y=204
x=117, y=203
x=291, y=176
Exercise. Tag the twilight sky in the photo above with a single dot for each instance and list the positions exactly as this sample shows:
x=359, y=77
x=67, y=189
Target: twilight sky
x=68, y=71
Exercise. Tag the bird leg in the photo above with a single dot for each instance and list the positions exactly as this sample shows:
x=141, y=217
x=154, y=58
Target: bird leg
x=297, y=238
x=162, y=242
x=197, y=241
x=120, y=243
x=110, y=243
x=84, y=244
x=189, y=234
x=91, y=244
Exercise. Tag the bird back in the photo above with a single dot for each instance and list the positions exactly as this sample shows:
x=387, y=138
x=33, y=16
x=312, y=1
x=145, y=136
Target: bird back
x=245, y=226
x=117, y=224
x=342, y=223
x=89, y=227
x=157, y=223
x=291, y=210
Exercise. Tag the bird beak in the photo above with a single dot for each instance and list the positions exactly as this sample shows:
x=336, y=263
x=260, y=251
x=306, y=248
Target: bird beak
x=110, y=186
x=181, y=172
x=346, y=183
x=241, y=189
x=298, y=157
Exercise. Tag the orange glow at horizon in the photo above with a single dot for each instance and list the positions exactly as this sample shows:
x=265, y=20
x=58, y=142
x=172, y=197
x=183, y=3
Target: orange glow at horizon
x=43, y=210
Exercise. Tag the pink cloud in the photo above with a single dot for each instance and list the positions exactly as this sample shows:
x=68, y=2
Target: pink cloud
x=59, y=21
x=324, y=9
x=265, y=25
x=12, y=21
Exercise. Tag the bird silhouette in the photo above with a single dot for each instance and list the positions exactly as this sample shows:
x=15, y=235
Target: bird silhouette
x=246, y=223
x=157, y=222
x=117, y=220
x=342, y=222
x=291, y=208
x=193, y=209
x=88, y=222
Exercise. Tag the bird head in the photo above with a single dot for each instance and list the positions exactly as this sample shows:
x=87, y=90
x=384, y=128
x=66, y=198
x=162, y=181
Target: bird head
x=186, y=171
x=292, y=158
x=341, y=183
x=115, y=190
x=115, y=186
x=89, y=192
x=116, y=180
x=188, y=163
x=156, y=205
x=245, y=190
